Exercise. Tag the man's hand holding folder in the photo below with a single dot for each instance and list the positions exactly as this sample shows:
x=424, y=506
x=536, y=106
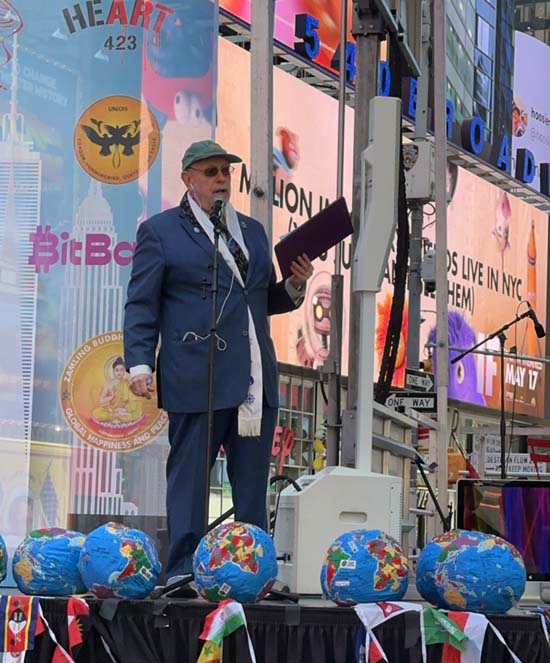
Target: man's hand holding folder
x=323, y=231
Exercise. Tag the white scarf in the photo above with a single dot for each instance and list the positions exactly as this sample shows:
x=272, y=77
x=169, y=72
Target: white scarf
x=250, y=411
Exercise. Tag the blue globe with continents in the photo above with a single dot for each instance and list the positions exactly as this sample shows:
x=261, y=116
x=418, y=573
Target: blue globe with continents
x=364, y=566
x=117, y=561
x=471, y=571
x=46, y=563
x=237, y=561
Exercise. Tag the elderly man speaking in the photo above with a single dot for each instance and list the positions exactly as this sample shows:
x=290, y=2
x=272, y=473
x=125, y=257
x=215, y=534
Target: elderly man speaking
x=169, y=294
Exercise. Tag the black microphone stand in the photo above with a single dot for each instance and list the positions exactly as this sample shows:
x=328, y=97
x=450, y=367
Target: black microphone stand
x=502, y=339
x=216, y=223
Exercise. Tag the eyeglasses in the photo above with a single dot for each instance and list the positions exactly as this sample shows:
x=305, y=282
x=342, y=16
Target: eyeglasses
x=212, y=171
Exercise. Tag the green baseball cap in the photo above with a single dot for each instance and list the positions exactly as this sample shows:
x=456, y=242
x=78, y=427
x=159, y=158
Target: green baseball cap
x=204, y=149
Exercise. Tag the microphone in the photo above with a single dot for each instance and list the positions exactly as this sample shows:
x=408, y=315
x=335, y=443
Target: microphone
x=539, y=329
x=217, y=211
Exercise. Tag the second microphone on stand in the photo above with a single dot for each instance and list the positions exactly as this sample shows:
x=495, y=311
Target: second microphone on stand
x=539, y=329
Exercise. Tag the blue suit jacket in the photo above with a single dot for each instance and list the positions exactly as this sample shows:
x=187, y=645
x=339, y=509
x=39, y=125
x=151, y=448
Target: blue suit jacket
x=169, y=294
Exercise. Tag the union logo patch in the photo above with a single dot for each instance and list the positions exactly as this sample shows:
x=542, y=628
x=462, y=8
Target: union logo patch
x=116, y=139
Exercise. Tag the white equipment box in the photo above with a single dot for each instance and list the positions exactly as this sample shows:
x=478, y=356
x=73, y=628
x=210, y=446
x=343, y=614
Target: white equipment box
x=334, y=501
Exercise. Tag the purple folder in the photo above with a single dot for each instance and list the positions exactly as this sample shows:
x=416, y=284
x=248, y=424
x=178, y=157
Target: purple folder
x=323, y=231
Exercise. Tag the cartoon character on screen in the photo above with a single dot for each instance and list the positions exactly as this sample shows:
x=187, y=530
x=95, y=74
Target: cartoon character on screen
x=383, y=309
x=501, y=228
x=463, y=374
x=177, y=79
x=178, y=88
x=312, y=344
x=286, y=157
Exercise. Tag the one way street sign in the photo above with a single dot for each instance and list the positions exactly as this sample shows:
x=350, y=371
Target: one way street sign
x=423, y=402
x=418, y=380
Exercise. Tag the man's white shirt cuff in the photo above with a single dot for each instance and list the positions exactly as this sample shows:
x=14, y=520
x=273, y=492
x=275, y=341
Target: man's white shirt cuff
x=142, y=369
x=296, y=295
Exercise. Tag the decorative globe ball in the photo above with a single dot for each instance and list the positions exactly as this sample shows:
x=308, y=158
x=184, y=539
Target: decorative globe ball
x=46, y=563
x=117, y=561
x=364, y=566
x=235, y=560
x=472, y=571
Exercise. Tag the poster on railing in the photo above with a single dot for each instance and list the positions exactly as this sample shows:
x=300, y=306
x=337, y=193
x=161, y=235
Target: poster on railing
x=98, y=101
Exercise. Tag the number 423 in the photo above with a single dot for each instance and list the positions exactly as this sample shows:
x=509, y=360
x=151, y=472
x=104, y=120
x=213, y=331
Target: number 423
x=121, y=43
x=306, y=28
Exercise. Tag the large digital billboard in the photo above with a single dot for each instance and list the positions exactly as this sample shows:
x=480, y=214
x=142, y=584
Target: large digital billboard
x=497, y=245
x=304, y=174
x=497, y=261
x=318, y=37
x=480, y=75
x=531, y=109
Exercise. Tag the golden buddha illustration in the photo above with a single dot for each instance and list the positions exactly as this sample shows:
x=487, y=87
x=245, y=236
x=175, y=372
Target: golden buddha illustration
x=117, y=405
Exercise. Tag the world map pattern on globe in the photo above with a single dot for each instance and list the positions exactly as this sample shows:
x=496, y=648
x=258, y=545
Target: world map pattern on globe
x=103, y=592
x=24, y=568
x=119, y=561
x=138, y=560
x=391, y=562
x=28, y=564
x=235, y=560
x=456, y=544
x=456, y=592
x=454, y=579
x=46, y=562
x=236, y=545
x=52, y=532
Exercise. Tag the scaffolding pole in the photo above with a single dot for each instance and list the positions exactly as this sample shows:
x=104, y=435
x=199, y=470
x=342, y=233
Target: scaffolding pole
x=442, y=350
x=333, y=364
x=368, y=29
x=261, y=114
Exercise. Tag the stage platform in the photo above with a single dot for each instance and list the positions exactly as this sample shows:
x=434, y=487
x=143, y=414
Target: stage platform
x=313, y=631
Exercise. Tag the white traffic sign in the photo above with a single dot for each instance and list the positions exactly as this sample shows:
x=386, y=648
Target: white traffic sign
x=418, y=380
x=423, y=402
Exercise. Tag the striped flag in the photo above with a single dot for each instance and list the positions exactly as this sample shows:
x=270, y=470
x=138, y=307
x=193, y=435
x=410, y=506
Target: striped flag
x=374, y=614
x=227, y=618
x=78, y=613
x=18, y=615
x=463, y=635
x=438, y=628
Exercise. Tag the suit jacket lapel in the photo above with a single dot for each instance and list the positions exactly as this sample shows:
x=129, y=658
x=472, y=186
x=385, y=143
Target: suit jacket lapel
x=248, y=240
x=200, y=238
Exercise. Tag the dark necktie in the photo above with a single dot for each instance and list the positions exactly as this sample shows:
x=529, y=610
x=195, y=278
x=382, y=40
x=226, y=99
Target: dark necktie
x=236, y=251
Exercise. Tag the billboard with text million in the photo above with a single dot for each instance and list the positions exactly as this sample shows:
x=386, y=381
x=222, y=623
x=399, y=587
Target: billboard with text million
x=497, y=245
